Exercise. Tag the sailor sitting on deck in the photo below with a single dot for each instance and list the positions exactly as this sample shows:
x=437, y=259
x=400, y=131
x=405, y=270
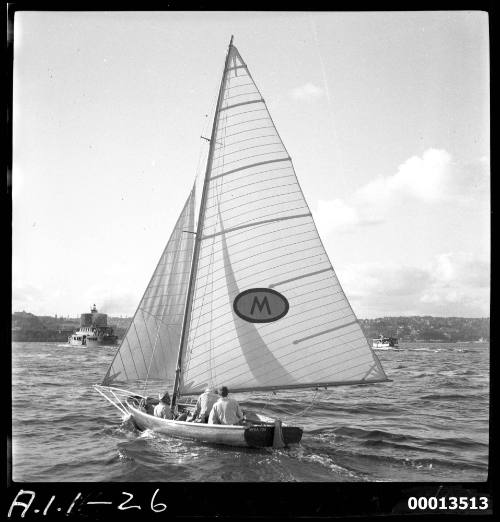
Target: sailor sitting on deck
x=162, y=409
x=225, y=410
x=204, y=405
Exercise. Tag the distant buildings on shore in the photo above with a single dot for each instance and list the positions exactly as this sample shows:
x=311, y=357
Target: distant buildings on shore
x=428, y=328
x=29, y=327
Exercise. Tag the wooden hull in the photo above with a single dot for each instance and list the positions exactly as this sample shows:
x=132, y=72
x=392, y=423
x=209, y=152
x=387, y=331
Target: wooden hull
x=244, y=436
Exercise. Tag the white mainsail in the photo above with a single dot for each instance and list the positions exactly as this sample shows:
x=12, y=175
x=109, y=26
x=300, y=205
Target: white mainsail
x=150, y=347
x=257, y=231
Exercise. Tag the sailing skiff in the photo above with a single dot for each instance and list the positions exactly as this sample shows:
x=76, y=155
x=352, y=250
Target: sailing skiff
x=258, y=431
x=244, y=294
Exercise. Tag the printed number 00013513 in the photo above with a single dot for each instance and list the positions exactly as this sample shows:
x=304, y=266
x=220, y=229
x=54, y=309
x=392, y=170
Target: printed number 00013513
x=447, y=503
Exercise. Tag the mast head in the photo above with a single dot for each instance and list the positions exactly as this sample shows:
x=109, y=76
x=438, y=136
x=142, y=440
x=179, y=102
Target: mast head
x=231, y=42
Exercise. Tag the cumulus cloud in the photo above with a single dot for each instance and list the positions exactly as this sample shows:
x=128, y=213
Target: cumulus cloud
x=432, y=178
x=454, y=283
x=458, y=278
x=307, y=92
x=424, y=178
x=336, y=213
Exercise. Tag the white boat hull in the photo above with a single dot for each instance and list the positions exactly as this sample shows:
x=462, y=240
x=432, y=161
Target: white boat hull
x=214, y=433
x=387, y=343
x=92, y=343
x=243, y=436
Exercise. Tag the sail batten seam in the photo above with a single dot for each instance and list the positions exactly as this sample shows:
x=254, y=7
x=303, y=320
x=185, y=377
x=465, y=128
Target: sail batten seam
x=252, y=156
x=241, y=103
x=254, y=224
x=301, y=276
x=297, y=341
x=237, y=67
x=249, y=167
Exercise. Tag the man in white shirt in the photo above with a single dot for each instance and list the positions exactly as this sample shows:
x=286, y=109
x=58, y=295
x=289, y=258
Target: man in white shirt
x=204, y=405
x=162, y=409
x=225, y=410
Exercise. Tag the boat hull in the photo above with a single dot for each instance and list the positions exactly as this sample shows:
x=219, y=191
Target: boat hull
x=243, y=436
x=91, y=343
x=385, y=347
x=385, y=343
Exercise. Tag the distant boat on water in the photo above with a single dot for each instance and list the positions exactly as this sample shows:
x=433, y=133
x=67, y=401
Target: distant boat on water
x=384, y=343
x=93, y=331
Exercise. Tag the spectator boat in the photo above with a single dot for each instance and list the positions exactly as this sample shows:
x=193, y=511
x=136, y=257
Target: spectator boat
x=93, y=331
x=245, y=296
x=385, y=343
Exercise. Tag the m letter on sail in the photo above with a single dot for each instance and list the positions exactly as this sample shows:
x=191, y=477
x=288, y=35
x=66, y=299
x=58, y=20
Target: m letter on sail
x=260, y=305
x=257, y=303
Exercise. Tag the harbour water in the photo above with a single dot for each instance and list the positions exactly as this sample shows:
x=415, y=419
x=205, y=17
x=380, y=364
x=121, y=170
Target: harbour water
x=430, y=423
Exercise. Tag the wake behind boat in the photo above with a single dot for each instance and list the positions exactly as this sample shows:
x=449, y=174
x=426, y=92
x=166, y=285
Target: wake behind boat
x=248, y=297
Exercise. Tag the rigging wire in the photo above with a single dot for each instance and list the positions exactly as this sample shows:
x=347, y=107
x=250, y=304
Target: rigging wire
x=203, y=154
x=289, y=414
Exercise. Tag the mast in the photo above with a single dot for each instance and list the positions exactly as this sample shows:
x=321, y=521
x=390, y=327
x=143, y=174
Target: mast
x=199, y=229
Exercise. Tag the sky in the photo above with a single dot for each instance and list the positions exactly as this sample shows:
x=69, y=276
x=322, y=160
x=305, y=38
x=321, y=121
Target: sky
x=385, y=116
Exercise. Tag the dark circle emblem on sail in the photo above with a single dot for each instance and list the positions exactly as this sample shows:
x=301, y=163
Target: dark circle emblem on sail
x=260, y=305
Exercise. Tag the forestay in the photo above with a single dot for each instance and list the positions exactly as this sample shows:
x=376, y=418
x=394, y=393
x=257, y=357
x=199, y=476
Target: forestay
x=150, y=346
x=258, y=232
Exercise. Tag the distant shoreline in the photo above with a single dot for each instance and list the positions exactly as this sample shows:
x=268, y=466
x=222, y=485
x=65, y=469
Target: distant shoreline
x=65, y=341
x=27, y=327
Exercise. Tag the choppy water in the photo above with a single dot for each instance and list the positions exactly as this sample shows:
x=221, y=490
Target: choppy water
x=429, y=424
